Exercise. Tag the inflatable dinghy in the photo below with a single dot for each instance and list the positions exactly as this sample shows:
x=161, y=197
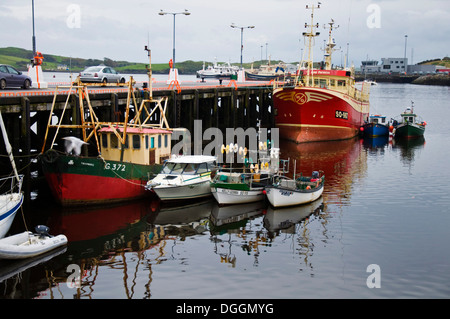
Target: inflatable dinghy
x=28, y=244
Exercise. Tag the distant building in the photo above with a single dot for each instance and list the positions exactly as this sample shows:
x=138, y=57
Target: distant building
x=398, y=65
x=442, y=70
x=421, y=69
x=394, y=65
x=370, y=66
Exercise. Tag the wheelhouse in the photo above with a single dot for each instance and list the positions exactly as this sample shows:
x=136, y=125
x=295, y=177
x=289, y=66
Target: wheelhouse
x=378, y=119
x=408, y=116
x=189, y=165
x=142, y=146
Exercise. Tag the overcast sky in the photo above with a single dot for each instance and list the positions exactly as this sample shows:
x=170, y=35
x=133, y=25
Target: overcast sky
x=120, y=29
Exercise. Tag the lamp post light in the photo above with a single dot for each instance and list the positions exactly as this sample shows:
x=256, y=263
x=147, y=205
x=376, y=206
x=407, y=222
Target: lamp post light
x=186, y=13
x=242, y=35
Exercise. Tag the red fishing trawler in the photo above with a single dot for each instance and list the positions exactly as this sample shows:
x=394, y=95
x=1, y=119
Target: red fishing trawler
x=324, y=104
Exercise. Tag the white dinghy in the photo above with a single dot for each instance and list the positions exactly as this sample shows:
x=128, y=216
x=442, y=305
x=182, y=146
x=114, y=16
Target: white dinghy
x=28, y=244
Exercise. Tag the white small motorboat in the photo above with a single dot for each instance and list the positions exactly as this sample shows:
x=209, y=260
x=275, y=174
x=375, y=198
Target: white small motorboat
x=289, y=192
x=239, y=188
x=246, y=184
x=218, y=71
x=184, y=177
x=28, y=244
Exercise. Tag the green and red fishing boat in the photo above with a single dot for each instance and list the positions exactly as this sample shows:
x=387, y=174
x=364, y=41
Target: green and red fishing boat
x=410, y=125
x=127, y=154
x=76, y=180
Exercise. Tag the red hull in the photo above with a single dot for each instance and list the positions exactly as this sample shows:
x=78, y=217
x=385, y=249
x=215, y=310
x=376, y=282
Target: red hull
x=305, y=114
x=76, y=189
x=83, y=224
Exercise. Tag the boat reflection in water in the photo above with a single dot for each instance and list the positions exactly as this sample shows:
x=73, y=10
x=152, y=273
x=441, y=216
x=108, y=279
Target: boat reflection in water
x=284, y=220
x=408, y=147
x=376, y=142
x=293, y=222
x=98, y=236
x=10, y=268
x=231, y=226
x=119, y=248
x=182, y=220
x=231, y=218
x=341, y=161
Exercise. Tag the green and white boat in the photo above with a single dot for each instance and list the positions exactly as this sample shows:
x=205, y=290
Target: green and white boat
x=410, y=124
x=246, y=184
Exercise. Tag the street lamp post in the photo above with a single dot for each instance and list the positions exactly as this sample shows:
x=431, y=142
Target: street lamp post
x=266, y=52
x=33, y=39
x=161, y=13
x=242, y=35
x=405, y=64
x=406, y=40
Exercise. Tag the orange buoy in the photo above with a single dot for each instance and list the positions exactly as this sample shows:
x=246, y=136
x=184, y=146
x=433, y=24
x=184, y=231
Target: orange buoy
x=38, y=58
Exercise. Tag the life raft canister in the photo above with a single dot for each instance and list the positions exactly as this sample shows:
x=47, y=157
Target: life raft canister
x=38, y=58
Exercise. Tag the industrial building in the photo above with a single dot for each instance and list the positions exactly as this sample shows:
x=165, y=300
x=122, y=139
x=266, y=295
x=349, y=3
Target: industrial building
x=395, y=65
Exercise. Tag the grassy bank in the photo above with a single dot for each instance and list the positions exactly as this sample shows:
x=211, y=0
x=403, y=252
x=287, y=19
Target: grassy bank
x=20, y=58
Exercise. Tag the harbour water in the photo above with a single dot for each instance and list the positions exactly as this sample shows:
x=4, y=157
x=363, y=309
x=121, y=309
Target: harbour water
x=380, y=229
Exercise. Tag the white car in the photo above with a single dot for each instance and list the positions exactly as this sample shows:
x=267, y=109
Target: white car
x=101, y=74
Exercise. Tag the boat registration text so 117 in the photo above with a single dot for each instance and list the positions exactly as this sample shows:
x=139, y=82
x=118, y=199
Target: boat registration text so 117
x=341, y=115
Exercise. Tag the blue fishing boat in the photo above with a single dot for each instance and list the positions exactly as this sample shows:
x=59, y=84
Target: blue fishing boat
x=377, y=126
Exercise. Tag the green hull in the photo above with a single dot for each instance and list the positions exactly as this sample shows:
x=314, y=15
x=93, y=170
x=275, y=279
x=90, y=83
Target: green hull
x=76, y=180
x=409, y=130
x=235, y=186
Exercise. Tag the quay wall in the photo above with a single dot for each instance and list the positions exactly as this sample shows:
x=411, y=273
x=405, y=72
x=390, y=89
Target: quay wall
x=26, y=117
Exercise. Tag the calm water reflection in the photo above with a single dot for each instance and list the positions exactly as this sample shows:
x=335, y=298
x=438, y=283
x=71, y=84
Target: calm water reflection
x=385, y=202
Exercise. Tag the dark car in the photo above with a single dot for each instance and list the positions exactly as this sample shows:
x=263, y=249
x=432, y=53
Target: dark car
x=10, y=77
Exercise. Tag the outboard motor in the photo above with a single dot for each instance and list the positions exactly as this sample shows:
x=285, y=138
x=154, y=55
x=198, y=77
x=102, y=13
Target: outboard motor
x=42, y=230
x=315, y=174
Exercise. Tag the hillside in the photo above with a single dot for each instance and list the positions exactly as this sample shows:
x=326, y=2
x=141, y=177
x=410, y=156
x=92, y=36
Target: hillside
x=445, y=62
x=19, y=58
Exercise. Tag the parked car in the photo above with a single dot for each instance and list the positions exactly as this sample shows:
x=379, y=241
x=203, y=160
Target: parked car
x=10, y=77
x=101, y=74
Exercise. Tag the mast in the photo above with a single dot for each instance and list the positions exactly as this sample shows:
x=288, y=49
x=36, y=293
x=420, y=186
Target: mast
x=9, y=148
x=310, y=36
x=330, y=46
x=149, y=71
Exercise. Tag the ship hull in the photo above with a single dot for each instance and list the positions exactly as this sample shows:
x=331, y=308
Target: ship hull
x=85, y=180
x=305, y=114
x=409, y=130
x=375, y=130
x=260, y=77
